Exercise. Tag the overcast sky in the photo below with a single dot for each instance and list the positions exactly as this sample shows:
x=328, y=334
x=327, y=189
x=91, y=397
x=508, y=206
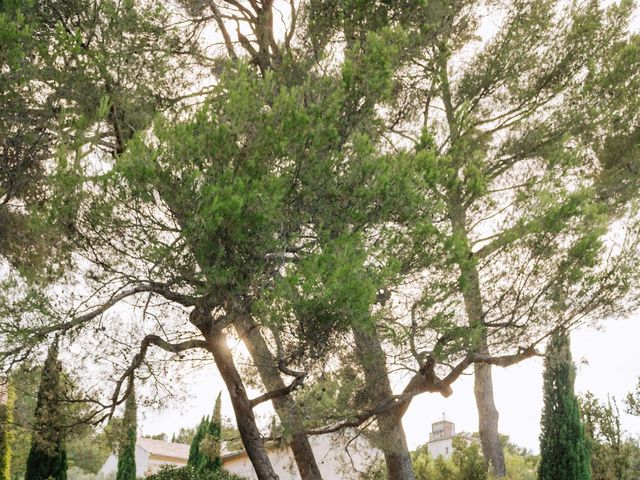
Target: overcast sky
x=608, y=363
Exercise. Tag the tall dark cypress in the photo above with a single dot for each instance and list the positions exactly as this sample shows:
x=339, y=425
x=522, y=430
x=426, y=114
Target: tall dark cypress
x=48, y=457
x=563, y=447
x=127, y=448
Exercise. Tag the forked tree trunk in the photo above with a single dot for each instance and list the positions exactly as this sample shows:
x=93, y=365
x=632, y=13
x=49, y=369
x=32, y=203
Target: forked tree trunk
x=483, y=382
x=391, y=437
x=285, y=407
x=251, y=438
x=396, y=452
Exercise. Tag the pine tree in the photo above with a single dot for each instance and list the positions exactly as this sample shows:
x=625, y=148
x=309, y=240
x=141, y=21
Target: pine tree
x=6, y=433
x=127, y=448
x=48, y=457
x=563, y=448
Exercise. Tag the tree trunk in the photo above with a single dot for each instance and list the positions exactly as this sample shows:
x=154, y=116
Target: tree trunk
x=488, y=420
x=391, y=436
x=396, y=452
x=251, y=438
x=483, y=382
x=285, y=407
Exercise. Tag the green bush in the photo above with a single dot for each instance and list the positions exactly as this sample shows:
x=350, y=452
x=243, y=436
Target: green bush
x=189, y=473
x=466, y=463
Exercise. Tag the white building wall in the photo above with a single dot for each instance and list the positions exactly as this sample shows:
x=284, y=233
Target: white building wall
x=442, y=447
x=154, y=466
x=142, y=461
x=110, y=467
x=336, y=455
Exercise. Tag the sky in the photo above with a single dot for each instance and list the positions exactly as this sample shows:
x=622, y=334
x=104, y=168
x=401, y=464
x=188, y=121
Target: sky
x=607, y=359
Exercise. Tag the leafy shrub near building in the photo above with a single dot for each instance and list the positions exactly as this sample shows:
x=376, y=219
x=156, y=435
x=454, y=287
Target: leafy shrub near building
x=190, y=473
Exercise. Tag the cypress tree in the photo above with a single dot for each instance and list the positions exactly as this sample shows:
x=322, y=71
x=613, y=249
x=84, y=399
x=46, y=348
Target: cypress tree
x=127, y=448
x=47, y=457
x=194, y=451
x=209, y=459
x=204, y=454
x=563, y=448
x=6, y=433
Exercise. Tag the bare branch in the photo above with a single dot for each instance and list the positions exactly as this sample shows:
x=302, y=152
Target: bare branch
x=297, y=382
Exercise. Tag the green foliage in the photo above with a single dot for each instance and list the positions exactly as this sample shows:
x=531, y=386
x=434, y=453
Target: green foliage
x=611, y=452
x=6, y=430
x=230, y=436
x=633, y=401
x=290, y=192
x=205, y=451
x=521, y=463
x=185, y=435
x=76, y=473
x=47, y=456
x=127, y=447
x=191, y=473
x=468, y=459
x=261, y=173
x=210, y=446
x=334, y=394
x=73, y=74
x=194, y=451
x=465, y=463
x=25, y=379
x=564, y=451
x=86, y=449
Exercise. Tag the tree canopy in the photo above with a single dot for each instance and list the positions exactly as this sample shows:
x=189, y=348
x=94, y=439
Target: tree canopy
x=349, y=188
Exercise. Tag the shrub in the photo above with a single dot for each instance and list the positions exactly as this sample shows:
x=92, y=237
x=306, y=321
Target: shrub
x=190, y=473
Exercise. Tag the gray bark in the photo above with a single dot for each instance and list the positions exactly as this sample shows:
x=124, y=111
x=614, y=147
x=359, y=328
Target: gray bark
x=251, y=438
x=488, y=420
x=391, y=436
x=483, y=383
x=285, y=407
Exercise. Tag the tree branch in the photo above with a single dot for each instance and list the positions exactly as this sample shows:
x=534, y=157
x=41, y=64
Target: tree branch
x=281, y=392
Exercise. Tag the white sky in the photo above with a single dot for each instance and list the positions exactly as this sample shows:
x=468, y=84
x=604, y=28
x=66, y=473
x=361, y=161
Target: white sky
x=612, y=353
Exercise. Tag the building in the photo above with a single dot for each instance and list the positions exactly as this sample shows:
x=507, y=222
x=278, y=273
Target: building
x=151, y=455
x=441, y=438
x=339, y=455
